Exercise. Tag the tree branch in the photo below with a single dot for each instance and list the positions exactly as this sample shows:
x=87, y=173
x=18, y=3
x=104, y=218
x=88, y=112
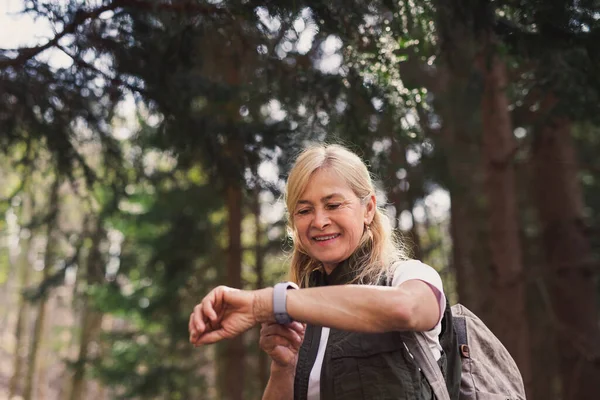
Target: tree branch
x=116, y=79
x=82, y=16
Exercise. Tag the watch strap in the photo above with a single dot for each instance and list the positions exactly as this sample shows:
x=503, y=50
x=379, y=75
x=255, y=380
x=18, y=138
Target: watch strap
x=279, y=302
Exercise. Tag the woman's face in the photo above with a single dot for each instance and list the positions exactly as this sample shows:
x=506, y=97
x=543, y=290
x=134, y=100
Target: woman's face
x=330, y=219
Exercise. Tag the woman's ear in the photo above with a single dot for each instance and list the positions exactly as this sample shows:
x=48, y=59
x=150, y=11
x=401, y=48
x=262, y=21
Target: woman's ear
x=370, y=208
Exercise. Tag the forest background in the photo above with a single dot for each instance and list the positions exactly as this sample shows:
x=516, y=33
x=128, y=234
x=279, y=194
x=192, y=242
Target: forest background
x=146, y=166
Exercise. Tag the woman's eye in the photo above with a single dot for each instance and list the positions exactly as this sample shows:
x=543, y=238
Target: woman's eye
x=302, y=212
x=333, y=206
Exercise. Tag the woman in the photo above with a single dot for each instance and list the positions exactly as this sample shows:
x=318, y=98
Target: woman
x=357, y=293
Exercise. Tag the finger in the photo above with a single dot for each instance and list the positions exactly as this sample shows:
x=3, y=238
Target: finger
x=208, y=311
x=297, y=326
x=280, y=330
x=268, y=346
x=271, y=328
x=199, y=319
x=192, y=328
x=269, y=343
x=211, y=337
x=219, y=299
x=265, y=325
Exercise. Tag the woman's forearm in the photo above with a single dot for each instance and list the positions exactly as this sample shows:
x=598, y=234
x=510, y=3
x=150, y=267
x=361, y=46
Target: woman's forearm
x=351, y=307
x=363, y=308
x=280, y=385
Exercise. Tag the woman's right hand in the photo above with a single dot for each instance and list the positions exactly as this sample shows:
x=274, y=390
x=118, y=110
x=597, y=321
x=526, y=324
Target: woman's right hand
x=282, y=342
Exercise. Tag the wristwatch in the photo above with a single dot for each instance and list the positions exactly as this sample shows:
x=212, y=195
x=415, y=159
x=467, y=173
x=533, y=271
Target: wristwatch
x=279, y=302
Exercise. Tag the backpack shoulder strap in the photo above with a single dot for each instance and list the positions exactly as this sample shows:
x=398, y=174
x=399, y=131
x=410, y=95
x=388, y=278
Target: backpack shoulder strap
x=415, y=341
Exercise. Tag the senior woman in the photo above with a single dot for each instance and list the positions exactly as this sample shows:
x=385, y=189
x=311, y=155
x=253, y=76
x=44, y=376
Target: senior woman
x=357, y=292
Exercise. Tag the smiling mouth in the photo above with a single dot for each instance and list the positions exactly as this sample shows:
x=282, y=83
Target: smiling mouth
x=326, y=238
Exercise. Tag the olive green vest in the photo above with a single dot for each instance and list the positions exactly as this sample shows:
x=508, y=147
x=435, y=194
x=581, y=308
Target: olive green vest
x=367, y=366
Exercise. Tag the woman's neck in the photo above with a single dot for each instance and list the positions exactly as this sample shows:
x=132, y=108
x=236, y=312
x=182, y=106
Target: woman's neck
x=329, y=268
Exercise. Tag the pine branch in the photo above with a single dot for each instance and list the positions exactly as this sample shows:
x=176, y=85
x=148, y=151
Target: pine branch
x=82, y=16
x=116, y=80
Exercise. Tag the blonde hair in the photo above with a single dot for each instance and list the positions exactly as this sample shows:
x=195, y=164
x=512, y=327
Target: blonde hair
x=378, y=247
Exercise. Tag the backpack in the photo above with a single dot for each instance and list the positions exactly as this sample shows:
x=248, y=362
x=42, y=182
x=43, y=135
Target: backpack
x=488, y=370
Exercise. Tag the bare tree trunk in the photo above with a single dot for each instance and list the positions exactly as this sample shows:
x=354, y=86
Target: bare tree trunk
x=263, y=371
x=42, y=370
x=509, y=321
x=6, y=292
x=571, y=269
x=101, y=395
x=235, y=351
x=91, y=320
x=456, y=100
x=470, y=259
x=544, y=363
x=49, y=256
x=24, y=268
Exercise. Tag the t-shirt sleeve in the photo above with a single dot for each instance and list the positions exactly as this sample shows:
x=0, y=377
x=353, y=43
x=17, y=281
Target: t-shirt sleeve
x=414, y=269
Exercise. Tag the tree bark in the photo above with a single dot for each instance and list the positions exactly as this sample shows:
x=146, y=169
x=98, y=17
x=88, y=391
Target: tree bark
x=469, y=258
x=509, y=320
x=49, y=255
x=461, y=141
x=457, y=95
x=6, y=293
x=571, y=269
x=24, y=268
x=91, y=320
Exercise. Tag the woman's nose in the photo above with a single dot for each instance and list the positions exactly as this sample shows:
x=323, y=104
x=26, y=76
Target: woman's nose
x=321, y=220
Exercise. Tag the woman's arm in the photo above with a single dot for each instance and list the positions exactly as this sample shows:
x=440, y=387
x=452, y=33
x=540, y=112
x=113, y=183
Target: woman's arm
x=282, y=344
x=411, y=306
x=281, y=383
x=226, y=312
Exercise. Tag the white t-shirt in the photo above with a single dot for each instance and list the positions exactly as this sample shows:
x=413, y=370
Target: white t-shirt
x=405, y=271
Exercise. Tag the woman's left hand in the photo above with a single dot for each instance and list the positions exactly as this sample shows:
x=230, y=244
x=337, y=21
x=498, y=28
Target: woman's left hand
x=223, y=314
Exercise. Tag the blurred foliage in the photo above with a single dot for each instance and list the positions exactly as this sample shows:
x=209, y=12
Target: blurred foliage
x=227, y=92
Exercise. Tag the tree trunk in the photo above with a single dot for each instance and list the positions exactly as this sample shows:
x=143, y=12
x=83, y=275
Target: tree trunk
x=91, y=320
x=544, y=363
x=42, y=371
x=456, y=95
x=49, y=255
x=235, y=351
x=461, y=143
x=569, y=259
x=6, y=292
x=263, y=361
x=483, y=207
x=509, y=321
x=469, y=257
x=25, y=237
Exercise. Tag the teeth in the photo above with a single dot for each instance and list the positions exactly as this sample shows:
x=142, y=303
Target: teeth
x=326, y=237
